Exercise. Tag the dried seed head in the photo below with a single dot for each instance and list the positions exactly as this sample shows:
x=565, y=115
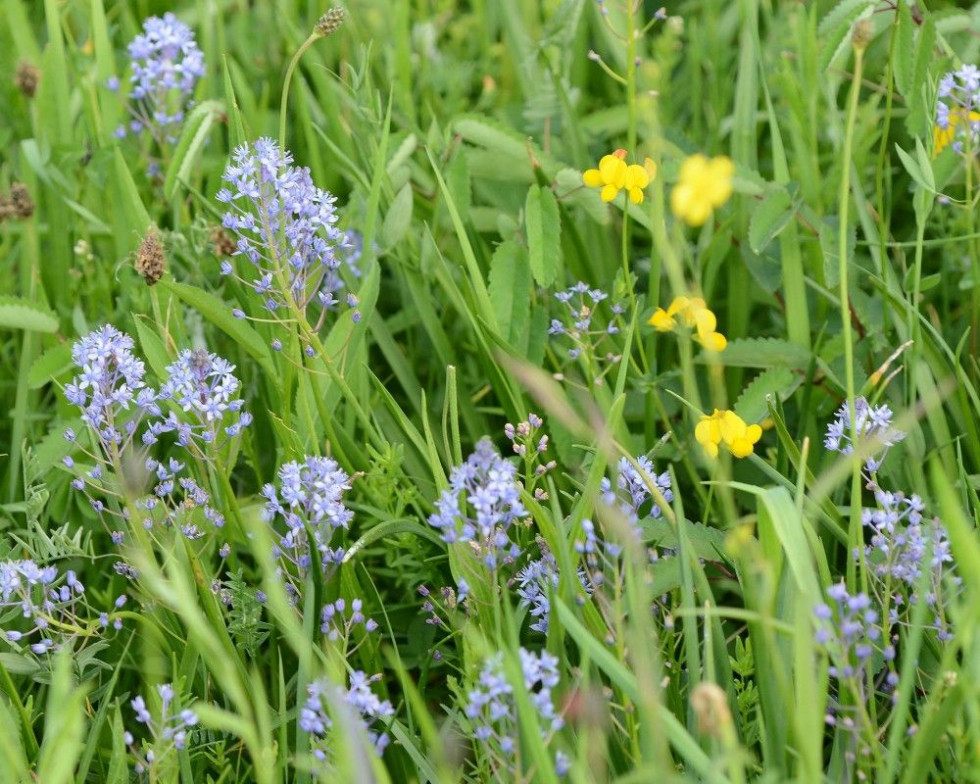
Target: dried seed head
x=330, y=21
x=711, y=707
x=150, y=261
x=26, y=78
x=18, y=205
x=221, y=242
x=862, y=33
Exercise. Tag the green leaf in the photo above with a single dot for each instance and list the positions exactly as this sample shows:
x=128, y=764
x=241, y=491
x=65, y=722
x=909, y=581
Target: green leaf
x=398, y=218
x=510, y=290
x=708, y=543
x=51, y=364
x=780, y=382
x=135, y=219
x=153, y=348
x=543, y=225
x=219, y=314
x=904, y=60
x=18, y=313
x=769, y=218
x=922, y=176
x=192, y=138
x=763, y=352
x=919, y=120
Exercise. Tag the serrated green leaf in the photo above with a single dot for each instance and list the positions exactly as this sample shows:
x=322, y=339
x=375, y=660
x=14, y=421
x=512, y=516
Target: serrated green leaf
x=543, y=224
x=779, y=382
x=398, y=218
x=219, y=314
x=19, y=313
x=510, y=290
x=51, y=364
x=764, y=353
x=903, y=62
x=708, y=543
x=769, y=218
x=192, y=137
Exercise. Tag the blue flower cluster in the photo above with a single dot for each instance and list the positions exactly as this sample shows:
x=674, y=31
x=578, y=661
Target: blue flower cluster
x=632, y=490
x=958, y=108
x=110, y=389
x=45, y=600
x=168, y=731
x=204, y=387
x=481, y=503
x=491, y=709
x=870, y=422
x=357, y=703
x=338, y=624
x=177, y=500
x=849, y=630
x=287, y=229
x=166, y=64
x=536, y=581
x=588, y=339
x=310, y=500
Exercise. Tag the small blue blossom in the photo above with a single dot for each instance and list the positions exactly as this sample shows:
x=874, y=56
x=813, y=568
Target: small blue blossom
x=167, y=64
x=481, y=503
x=536, y=581
x=958, y=110
x=492, y=712
x=588, y=336
x=110, y=389
x=167, y=730
x=871, y=422
x=632, y=490
x=357, y=703
x=337, y=623
x=849, y=631
x=40, y=595
x=204, y=387
x=286, y=229
x=310, y=501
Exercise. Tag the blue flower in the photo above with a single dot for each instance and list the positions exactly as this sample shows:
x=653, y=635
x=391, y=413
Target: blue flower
x=166, y=64
x=357, y=702
x=482, y=501
x=286, y=228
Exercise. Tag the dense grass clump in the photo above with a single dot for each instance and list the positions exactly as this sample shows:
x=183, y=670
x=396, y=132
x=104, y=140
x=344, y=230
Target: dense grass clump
x=495, y=391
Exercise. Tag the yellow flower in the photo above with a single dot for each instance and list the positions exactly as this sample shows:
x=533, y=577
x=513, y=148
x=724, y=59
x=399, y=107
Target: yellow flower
x=613, y=176
x=693, y=313
x=728, y=428
x=942, y=138
x=704, y=186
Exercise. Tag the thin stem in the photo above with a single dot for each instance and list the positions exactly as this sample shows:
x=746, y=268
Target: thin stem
x=285, y=87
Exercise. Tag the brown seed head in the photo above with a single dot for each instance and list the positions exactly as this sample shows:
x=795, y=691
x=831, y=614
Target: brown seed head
x=711, y=707
x=150, y=261
x=18, y=205
x=862, y=33
x=330, y=21
x=26, y=78
x=221, y=243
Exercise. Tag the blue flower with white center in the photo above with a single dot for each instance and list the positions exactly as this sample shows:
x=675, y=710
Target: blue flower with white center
x=167, y=64
x=870, y=422
x=110, y=389
x=286, y=229
x=310, y=501
x=481, y=503
x=205, y=389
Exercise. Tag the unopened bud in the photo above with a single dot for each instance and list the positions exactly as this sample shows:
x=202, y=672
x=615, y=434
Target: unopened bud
x=861, y=34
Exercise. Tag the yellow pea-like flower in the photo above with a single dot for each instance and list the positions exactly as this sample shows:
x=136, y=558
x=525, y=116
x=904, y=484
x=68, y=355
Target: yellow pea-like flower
x=614, y=175
x=728, y=428
x=692, y=313
x=704, y=185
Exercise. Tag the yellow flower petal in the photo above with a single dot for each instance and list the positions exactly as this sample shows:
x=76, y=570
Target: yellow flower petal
x=741, y=447
x=636, y=177
x=661, y=321
x=613, y=171
x=705, y=322
x=592, y=178
x=714, y=341
x=753, y=433
x=636, y=196
x=609, y=193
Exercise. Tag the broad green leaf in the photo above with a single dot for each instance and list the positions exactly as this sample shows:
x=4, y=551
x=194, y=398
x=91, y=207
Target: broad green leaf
x=763, y=352
x=18, y=313
x=779, y=382
x=836, y=27
x=543, y=224
x=922, y=176
x=769, y=218
x=51, y=364
x=918, y=120
x=903, y=61
x=510, y=289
